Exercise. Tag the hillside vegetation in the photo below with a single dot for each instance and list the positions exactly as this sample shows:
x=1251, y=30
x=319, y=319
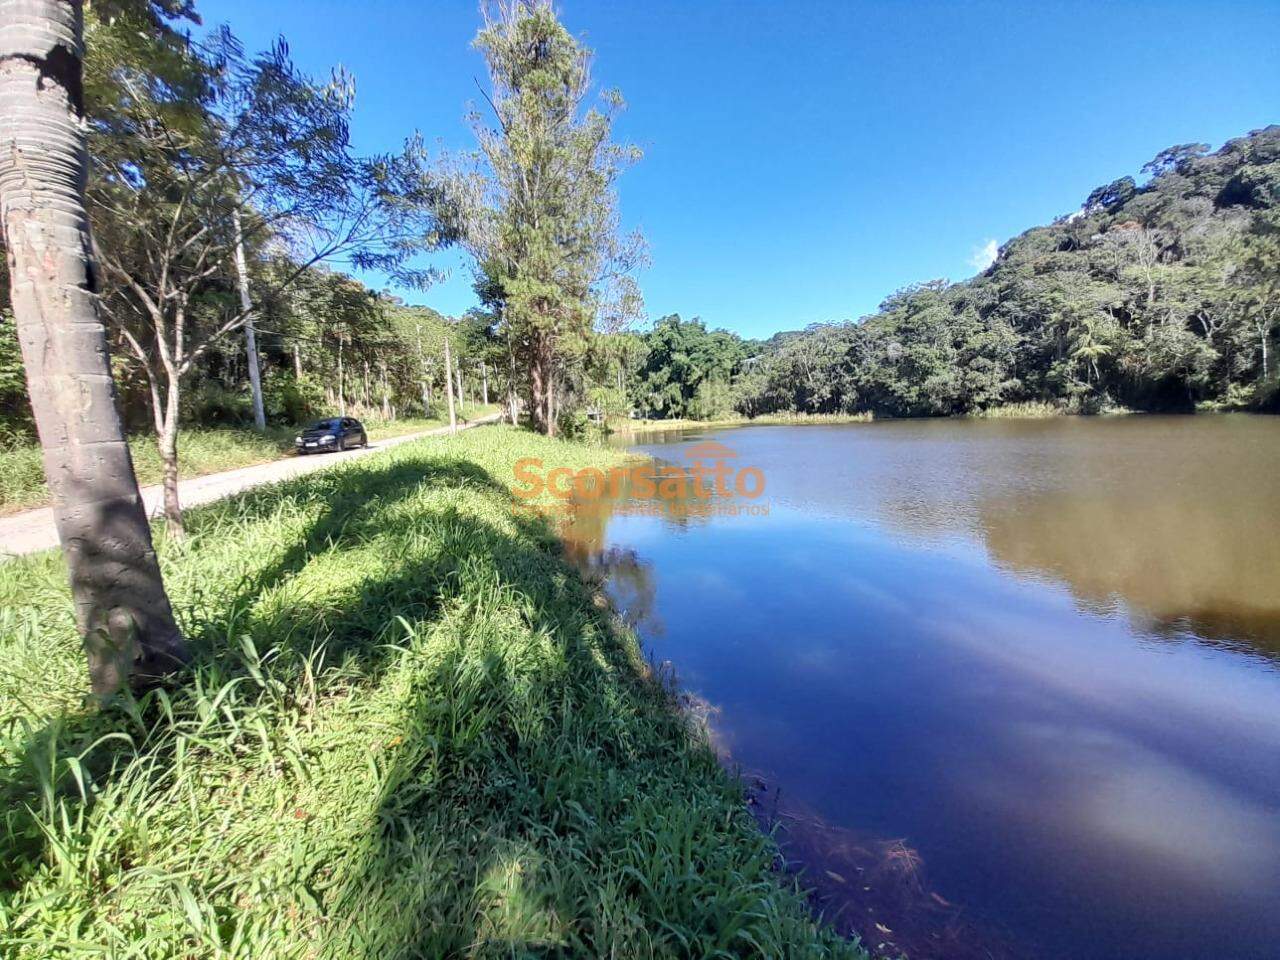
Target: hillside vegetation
x=1159, y=295
x=410, y=729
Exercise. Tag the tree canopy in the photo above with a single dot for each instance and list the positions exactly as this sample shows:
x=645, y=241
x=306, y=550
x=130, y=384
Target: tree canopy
x=1159, y=292
x=1154, y=296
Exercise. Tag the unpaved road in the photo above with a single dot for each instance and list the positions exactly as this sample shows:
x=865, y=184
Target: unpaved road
x=34, y=530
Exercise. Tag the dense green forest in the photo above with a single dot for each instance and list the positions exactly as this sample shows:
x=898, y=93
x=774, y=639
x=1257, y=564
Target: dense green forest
x=1161, y=295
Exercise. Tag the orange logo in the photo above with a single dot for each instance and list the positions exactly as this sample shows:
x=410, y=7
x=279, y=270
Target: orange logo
x=710, y=478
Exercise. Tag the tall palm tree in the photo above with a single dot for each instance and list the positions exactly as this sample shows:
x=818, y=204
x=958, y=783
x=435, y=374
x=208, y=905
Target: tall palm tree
x=122, y=609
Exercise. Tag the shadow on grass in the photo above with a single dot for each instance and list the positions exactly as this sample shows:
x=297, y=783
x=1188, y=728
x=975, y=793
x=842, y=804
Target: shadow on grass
x=353, y=508
x=536, y=793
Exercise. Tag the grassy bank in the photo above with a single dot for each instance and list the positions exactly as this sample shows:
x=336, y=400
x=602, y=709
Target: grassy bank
x=1043, y=410
x=410, y=730
x=651, y=426
x=1028, y=410
x=200, y=451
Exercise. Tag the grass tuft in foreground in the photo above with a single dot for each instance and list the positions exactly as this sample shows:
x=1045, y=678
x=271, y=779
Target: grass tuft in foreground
x=410, y=730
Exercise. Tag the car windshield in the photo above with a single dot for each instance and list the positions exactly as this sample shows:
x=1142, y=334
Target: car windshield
x=326, y=425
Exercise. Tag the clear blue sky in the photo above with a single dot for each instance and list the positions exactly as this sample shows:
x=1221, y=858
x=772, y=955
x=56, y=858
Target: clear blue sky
x=805, y=159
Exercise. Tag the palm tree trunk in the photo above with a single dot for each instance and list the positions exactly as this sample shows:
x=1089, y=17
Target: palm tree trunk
x=122, y=610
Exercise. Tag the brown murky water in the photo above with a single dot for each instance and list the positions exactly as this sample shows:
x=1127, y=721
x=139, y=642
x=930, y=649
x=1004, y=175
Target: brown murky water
x=1011, y=688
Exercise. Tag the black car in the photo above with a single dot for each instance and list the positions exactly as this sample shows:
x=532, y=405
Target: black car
x=338, y=433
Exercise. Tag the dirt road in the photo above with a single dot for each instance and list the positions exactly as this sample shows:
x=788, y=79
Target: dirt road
x=34, y=530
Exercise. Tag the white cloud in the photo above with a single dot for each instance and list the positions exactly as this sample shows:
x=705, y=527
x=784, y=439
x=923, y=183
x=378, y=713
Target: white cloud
x=984, y=256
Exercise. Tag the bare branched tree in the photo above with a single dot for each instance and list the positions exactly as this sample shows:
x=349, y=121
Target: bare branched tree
x=262, y=163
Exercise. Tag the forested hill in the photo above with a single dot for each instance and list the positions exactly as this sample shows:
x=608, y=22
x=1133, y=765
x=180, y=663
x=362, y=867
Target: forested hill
x=1162, y=293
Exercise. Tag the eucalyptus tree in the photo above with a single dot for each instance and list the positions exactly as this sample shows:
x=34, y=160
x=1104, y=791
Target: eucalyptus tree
x=539, y=213
x=251, y=155
x=122, y=610
x=1256, y=287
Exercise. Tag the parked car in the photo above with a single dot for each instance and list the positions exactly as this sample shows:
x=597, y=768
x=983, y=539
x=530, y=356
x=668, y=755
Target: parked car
x=336, y=433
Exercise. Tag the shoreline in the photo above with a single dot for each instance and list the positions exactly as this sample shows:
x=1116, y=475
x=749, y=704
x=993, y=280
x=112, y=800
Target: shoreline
x=400, y=685
x=1009, y=412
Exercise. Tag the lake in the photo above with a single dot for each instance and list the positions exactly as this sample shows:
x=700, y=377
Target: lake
x=1006, y=688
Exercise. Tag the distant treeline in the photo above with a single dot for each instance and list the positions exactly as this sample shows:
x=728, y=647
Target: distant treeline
x=1160, y=295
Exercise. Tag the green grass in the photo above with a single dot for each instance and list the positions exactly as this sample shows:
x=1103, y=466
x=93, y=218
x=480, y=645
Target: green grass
x=1043, y=410
x=650, y=426
x=1026, y=410
x=200, y=451
x=410, y=730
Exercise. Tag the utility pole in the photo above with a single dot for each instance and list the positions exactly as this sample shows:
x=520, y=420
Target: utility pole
x=448, y=386
x=422, y=375
x=342, y=393
x=250, y=335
